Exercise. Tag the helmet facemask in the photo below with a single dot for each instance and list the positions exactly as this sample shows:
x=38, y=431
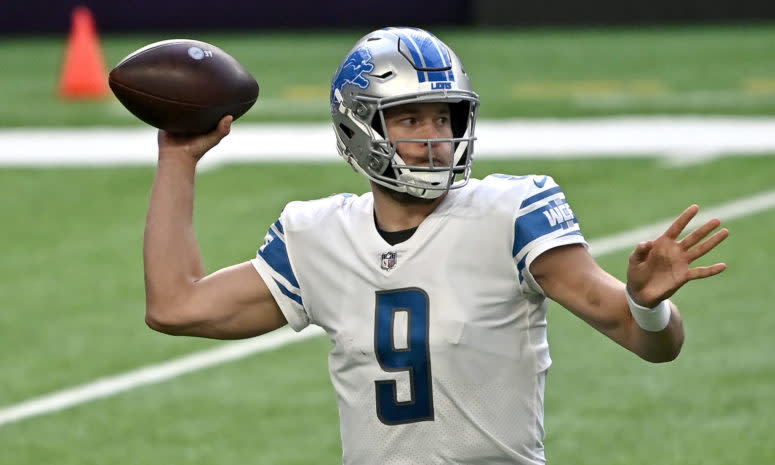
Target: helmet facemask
x=447, y=167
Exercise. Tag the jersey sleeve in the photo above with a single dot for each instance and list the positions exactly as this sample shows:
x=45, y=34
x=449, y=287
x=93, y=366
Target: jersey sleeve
x=543, y=221
x=274, y=265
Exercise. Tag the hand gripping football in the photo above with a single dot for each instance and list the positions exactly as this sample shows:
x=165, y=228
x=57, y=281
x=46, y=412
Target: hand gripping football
x=183, y=86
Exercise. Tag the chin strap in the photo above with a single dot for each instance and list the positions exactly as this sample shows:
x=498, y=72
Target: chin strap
x=436, y=179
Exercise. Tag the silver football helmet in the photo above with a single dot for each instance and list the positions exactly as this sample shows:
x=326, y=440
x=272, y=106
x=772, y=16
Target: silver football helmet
x=396, y=66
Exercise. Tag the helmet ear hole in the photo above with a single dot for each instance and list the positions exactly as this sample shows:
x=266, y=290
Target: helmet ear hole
x=459, y=117
x=376, y=125
x=346, y=131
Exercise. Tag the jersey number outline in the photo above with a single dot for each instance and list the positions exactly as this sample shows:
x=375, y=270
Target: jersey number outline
x=414, y=359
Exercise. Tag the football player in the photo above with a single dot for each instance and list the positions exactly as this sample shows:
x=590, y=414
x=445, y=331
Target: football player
x=433, y=286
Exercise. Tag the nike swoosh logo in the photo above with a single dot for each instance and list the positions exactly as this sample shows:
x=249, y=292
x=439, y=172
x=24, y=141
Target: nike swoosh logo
x=539, y=184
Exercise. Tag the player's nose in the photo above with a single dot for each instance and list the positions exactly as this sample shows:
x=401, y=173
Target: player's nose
x=429, y=130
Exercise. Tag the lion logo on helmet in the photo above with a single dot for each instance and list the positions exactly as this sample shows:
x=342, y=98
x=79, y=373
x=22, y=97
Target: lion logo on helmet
x=352, y=72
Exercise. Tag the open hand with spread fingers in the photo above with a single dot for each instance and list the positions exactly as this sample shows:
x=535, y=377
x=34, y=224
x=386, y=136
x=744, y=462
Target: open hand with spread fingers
x=658, y=268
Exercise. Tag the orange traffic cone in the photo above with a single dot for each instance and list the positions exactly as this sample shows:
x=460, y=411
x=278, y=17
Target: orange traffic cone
x=83, y=73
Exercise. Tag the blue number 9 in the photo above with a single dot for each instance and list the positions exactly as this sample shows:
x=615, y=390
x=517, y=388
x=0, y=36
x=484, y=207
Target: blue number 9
x=415, y=358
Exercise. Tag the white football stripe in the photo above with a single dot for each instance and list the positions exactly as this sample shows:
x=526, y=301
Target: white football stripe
x=600, y=137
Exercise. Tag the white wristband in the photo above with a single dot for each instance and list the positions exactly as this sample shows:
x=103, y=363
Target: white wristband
x=652, y=319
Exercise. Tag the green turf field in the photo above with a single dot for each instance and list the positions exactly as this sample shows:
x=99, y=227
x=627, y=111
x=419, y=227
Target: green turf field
x=73, y=311
x=546, y=73
x=71, y=277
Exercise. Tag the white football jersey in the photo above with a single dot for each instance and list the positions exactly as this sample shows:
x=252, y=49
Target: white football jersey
x=439, y=342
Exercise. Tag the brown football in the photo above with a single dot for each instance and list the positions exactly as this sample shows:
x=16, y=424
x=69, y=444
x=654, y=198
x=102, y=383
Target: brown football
x=183, y=86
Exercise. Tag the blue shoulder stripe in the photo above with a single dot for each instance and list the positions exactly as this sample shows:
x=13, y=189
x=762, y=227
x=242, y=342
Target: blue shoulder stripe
x=541, y=195
x=540, y=222
x=288, y=293
x=275, y=254
x=572, y=233
x=279, y=226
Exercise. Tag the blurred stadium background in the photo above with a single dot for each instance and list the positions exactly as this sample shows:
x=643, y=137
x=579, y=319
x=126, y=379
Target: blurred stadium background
x=686, y=85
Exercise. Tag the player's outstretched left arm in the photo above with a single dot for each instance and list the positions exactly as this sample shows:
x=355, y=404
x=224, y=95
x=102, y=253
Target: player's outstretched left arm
x=657, y=269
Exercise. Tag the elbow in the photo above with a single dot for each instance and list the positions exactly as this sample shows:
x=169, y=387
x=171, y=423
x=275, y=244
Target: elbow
x=662, y=357
x=666, y=352
x=664, y=346
x=675, y=349
x=166, y=312
x=153, y=321
x=164, y=320
x=677, y=346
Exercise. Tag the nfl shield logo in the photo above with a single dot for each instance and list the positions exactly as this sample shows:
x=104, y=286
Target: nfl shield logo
x=388, y=260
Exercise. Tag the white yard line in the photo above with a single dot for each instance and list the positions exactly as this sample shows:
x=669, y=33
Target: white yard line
x=557, y=138
x=726, y=212
x=151, y=374
x=105, y=387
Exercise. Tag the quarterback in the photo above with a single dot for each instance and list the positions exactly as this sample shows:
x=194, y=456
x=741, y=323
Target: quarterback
x=433, y=286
